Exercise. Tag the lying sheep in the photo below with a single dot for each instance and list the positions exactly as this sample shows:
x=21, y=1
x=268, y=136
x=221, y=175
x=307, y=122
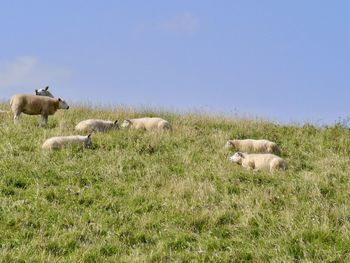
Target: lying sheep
x=94, y=125
x=250, y=145
x=147, y=124
x=44, y=92
x=35, y=105
x=259, y=161
x=60, y=142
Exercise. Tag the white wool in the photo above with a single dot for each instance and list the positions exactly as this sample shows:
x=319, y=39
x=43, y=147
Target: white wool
x=64, y=141
x=35, y=105
x=253, y=146
x=259, y=161
x=96, y=125
x=147, y=123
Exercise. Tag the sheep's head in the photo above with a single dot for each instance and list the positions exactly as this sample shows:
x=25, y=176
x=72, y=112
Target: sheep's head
x=229, y=145
x=88, y=141
x=126, y=124
x=62, y=104
x=237, y=158
x=43, y=92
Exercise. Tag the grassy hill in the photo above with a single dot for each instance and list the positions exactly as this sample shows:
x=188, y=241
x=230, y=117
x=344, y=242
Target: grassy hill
x=138, y=196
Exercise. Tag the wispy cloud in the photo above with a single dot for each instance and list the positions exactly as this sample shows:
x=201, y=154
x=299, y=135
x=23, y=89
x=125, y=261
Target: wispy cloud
x=183, y=22
x=29, y=71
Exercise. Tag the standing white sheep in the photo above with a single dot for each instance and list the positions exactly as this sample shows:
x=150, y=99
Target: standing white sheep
x=95, y=125
x=44, y=92
x=251, y=145
x=60, y=142
x=259, y=161
x=147, y=124
x=36, y=105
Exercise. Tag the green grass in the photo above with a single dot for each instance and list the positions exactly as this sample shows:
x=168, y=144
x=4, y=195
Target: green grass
x=138, y=196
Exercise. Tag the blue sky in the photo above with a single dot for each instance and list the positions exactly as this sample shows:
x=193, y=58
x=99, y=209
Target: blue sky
x=288, y=61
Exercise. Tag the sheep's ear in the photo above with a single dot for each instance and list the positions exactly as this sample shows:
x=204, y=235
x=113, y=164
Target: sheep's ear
x=116, y=122
x=240, y=154
x=47, y=87
x=89, y=135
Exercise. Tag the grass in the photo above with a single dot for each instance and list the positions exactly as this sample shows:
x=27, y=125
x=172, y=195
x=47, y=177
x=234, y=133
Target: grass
x=171, y=197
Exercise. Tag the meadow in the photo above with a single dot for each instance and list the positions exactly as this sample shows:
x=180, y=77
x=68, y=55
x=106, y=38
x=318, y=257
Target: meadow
x=173, y=196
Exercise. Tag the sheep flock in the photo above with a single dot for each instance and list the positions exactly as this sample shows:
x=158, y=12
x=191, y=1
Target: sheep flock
x=251, y=154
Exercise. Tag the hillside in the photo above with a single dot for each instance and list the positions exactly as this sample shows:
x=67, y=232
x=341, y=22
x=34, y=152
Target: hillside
x=138, y=196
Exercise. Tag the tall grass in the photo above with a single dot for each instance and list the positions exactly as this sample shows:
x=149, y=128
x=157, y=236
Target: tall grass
x=139, y=196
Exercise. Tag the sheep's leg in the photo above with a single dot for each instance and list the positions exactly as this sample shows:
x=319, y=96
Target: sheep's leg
x=16, y=117
x=255, y=171
x=274, y=165
x=251, y=165
x=44, y=120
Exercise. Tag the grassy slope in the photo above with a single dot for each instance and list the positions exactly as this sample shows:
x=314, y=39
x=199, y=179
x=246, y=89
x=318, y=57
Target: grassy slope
x=158, y=197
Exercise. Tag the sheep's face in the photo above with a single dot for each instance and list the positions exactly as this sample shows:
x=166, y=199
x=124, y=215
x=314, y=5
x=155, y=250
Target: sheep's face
x=62, y=104
x=43, y=92
x=88, y=141
x=237, y=158
x=126, y=124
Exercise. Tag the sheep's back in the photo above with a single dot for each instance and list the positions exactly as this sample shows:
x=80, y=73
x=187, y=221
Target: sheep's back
x=263, y=161
x=31, y=104
x=148, y=123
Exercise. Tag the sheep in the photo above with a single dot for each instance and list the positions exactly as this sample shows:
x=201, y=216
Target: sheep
x=147, y=124
x=35, y=105
x=255, y=146
x=259, y=161
x=94, y=125
x=59, y=142
x=44, y=92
